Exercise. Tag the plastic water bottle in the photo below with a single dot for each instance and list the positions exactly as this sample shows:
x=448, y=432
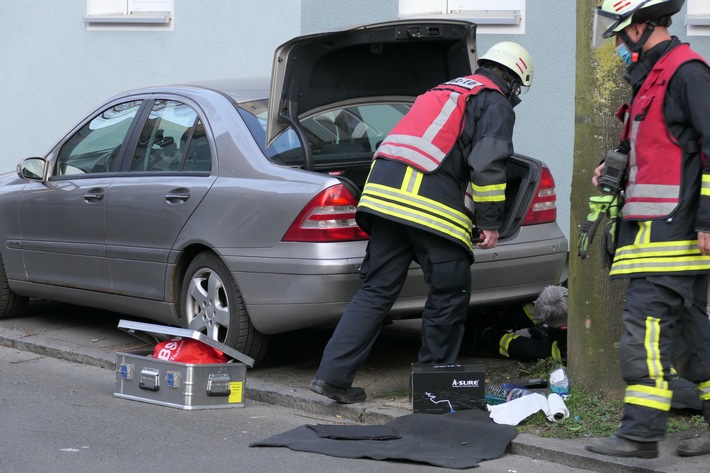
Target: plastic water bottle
x=495, y=394
x=559, y=383
x=498, y=394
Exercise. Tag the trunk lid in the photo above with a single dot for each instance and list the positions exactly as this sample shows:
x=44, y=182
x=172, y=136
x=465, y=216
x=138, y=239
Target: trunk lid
x=395, y=59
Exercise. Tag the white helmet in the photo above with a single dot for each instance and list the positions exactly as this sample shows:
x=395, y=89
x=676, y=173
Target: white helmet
x=514, y=57
x=614, y=15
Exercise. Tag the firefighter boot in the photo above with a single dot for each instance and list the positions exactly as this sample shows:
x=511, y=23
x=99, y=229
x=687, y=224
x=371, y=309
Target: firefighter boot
x=698, y=445
x=620, y=447
x=342, y=395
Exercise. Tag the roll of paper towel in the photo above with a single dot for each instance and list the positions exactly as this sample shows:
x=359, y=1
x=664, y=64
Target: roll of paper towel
x=556, y=408
x=512, y=412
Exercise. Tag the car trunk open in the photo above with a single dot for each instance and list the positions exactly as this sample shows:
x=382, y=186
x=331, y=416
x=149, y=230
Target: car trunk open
x=396, y=59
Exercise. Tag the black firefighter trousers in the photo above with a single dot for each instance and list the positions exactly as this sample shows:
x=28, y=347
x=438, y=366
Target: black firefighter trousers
x=666, y=324
x=390, y=251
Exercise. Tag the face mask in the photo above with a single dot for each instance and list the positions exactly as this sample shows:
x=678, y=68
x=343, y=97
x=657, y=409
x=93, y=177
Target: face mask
x=514, y=100
x=623, y=51
x=515, y=89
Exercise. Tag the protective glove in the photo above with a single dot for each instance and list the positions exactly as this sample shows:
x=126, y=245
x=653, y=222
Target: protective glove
x=599, y=206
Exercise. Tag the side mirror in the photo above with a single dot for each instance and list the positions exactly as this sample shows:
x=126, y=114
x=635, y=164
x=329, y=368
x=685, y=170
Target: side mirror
x=32, y=168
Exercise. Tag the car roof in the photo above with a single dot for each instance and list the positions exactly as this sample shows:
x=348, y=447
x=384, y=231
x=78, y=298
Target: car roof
x=238, y=89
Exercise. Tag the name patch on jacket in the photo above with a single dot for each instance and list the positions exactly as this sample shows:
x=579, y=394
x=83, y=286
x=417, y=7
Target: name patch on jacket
x=465, y=83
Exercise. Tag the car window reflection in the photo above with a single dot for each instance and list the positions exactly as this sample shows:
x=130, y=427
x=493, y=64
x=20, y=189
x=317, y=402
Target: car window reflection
x=94, y=148
x=172, y=139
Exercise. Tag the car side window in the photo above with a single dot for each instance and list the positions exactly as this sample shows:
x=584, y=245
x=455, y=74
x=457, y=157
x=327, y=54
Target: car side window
x=94, y=148
x=172, y=139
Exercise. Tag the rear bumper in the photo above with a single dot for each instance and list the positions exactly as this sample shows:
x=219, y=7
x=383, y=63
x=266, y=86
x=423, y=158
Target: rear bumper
x=286, y=293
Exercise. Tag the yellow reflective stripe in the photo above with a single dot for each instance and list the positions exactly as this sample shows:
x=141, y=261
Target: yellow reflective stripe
x=416, y=209
x=491, y=193
x=529, y=310
x=418, y=202
x=489, y=188
x=651, y=342
x=670, y=256
x=659, y=265
x=505, y=343
x=660, y=249
x=410, y=215
x=647, y=396
x=643, y=237
x=705, y=187
x=704, y=389
x=412, y=181
x=556, y=353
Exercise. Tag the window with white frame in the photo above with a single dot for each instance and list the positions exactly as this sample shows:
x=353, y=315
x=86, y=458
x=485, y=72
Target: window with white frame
x=698, y=18
x=496, y=17
x=157, y=15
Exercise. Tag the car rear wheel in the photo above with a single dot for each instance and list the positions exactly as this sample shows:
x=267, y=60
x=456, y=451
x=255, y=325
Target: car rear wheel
x=11, y=305
x=213, y=305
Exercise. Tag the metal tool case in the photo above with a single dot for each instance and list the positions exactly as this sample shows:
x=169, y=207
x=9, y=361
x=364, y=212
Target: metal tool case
x=141, y=377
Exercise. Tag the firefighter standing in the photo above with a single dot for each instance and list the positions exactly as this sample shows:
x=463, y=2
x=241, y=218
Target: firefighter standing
x=417, y=206
x=664, y=232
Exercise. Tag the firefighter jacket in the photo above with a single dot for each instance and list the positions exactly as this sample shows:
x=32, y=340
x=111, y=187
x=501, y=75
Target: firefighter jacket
x=667, y=197
x=472, y=126
x=506, y=336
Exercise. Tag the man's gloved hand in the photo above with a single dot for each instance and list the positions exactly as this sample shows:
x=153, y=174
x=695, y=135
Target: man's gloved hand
x=598, y=207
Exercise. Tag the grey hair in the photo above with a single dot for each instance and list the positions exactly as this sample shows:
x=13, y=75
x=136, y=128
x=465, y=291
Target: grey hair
x=551, y=306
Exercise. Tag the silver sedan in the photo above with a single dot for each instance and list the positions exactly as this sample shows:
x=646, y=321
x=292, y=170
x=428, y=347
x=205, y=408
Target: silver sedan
x=228, y=206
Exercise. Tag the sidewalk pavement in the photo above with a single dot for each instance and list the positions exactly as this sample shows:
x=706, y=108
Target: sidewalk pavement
x=91, y=337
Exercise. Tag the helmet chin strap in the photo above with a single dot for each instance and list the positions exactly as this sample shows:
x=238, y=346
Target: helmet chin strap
x=512, y=96
x=636, y=48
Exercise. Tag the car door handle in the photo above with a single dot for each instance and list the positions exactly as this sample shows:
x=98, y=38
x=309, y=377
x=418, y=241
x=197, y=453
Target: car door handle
x=178, y=195
x=95, y=195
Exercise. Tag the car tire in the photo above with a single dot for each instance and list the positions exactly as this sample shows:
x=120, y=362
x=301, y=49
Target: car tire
x=212, y=304
x=11, y=305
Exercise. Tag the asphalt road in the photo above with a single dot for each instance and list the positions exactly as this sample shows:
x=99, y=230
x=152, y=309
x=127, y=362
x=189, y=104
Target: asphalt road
x=59, y=416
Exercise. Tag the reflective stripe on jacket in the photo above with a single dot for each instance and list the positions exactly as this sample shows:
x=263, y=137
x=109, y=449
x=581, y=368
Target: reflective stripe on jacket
x=393, y=191
x=426, y=135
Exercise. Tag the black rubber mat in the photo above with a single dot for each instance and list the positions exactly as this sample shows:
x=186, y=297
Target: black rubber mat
x=455, y=440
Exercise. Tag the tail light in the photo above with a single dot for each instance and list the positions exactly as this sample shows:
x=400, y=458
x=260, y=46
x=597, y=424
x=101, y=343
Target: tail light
x=328, y=217
x=543, y=208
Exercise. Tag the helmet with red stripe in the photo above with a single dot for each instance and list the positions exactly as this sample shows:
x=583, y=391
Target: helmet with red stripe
x=514, y=57
x=615, y=15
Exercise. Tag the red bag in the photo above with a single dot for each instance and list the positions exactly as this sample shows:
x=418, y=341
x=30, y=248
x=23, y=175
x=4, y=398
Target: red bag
x=188, y=351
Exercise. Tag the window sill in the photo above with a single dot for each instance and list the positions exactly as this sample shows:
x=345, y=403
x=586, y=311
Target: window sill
x=480, y=17
x=697, y=20
x=160, y=18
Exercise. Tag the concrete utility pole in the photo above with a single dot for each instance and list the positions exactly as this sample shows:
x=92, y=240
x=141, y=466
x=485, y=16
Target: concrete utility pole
x=595, y=303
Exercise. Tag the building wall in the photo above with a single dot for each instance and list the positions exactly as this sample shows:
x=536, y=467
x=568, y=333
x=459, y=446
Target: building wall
x=54, y=71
